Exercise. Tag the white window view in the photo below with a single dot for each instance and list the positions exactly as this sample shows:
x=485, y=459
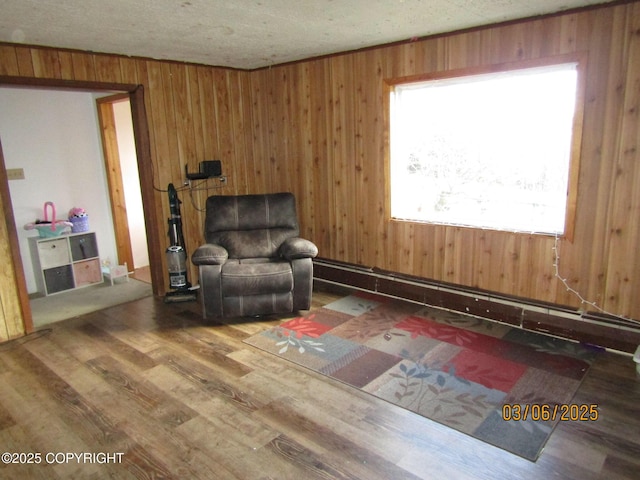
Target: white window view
x=488, y=151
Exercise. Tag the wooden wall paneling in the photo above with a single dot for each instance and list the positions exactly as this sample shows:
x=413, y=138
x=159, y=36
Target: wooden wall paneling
x=260, y=99
x=83, y=66
x=478, y=264
x=129, y=70
x=377, y=109
x=430, y=240
x=438, y=247
x=271, y=88
x=468, y=264
x=454, y=255
x=243, y=137
x=623, y=261
x=370, y=154
x=154, y=102
x=287, y=111
x=196, y=107
x=181, y=151
x=606, y=73
x=294, y=159
x=303, y=186
x=66, y=65
x=398, y=251
x=326, y=173
x=544, y=38
x=171, y=164
x=275, y=123
x=161, y=151
x=504, y=276
x=424, y=257
x=568, y=33
x=194, y=199
x=243, y=165
x=223, y=109
x=460, y=51
x=186, y=152
x=46, y=63
x=304, y=192
x=493, y=260
x=595, y=176
x=406, y=253
x=322, y=166
x=365, y=160
x=142, y=75
x=342, y=123
x=517, y=268
x=9, y=65
x=412, y=60
x=524, y=262
x=108, y=68
x=533, y=40
x=544, y=278
x=25, y=62
x=203, y=107
x=286, y=158
x=231, y=127
x=187, y=155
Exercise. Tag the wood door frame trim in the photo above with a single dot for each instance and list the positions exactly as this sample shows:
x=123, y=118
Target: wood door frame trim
x=9, y=219
x=145, y=166
x=111, y=153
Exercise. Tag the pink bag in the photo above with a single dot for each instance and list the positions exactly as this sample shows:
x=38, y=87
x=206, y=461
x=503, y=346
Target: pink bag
x=46, y=227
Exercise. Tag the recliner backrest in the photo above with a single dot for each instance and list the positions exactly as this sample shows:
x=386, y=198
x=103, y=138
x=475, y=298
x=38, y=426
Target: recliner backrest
x=251, y=225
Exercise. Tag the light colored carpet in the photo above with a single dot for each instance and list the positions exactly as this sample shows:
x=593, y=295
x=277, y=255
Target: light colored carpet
x=78, y=302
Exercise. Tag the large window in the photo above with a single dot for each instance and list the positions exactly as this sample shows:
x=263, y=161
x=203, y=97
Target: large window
x=490, y=150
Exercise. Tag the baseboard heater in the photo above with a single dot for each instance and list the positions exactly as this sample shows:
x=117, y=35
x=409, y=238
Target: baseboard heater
x=588, y=327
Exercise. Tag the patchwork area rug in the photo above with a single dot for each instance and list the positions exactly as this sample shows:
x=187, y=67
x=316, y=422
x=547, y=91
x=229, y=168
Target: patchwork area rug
x=454, y=369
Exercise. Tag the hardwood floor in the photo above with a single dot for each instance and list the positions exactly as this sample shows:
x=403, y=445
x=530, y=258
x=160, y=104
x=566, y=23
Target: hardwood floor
x=168, y=395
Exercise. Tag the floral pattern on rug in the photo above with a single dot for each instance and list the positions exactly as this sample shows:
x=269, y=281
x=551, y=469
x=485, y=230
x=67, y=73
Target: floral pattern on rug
x=454, y=369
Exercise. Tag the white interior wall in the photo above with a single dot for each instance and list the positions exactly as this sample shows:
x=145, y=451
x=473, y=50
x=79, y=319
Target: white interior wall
x=131, y=183
x=54, y=136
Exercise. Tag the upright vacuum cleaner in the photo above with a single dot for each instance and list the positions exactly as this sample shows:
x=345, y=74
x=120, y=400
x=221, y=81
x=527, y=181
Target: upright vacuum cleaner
x=177, y=255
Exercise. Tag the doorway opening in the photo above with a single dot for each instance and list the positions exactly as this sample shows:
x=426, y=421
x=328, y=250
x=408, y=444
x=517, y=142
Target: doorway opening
x=142, y=149
x=121, y=167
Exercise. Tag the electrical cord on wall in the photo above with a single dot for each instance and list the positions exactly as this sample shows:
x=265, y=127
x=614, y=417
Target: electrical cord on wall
x=583, y=300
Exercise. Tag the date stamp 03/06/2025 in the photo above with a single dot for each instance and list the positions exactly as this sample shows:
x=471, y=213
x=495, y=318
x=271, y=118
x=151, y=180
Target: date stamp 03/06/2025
x=564, y=412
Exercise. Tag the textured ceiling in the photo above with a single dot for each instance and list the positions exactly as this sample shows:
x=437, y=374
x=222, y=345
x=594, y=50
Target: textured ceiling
x=249, y=34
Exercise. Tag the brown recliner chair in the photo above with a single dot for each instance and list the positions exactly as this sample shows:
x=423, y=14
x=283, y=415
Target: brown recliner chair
x=253, y=261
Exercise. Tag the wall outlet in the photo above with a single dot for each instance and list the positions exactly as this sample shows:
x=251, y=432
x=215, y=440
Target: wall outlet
x=15, y=173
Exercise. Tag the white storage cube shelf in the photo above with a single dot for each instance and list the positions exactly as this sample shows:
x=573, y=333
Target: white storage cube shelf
x=65, y=262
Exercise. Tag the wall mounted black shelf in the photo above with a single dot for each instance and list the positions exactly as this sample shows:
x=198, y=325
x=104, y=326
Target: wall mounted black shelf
x=197, y=176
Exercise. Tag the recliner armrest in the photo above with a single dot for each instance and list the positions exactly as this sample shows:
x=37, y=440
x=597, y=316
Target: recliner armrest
x=210, y=254
x=294, y=248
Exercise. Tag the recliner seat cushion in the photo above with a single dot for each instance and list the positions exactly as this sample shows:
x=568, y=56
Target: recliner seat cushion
x=241, y=278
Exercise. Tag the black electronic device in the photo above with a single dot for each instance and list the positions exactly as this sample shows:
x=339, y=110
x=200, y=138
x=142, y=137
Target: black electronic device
x=213, y=168
x=207, y=169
